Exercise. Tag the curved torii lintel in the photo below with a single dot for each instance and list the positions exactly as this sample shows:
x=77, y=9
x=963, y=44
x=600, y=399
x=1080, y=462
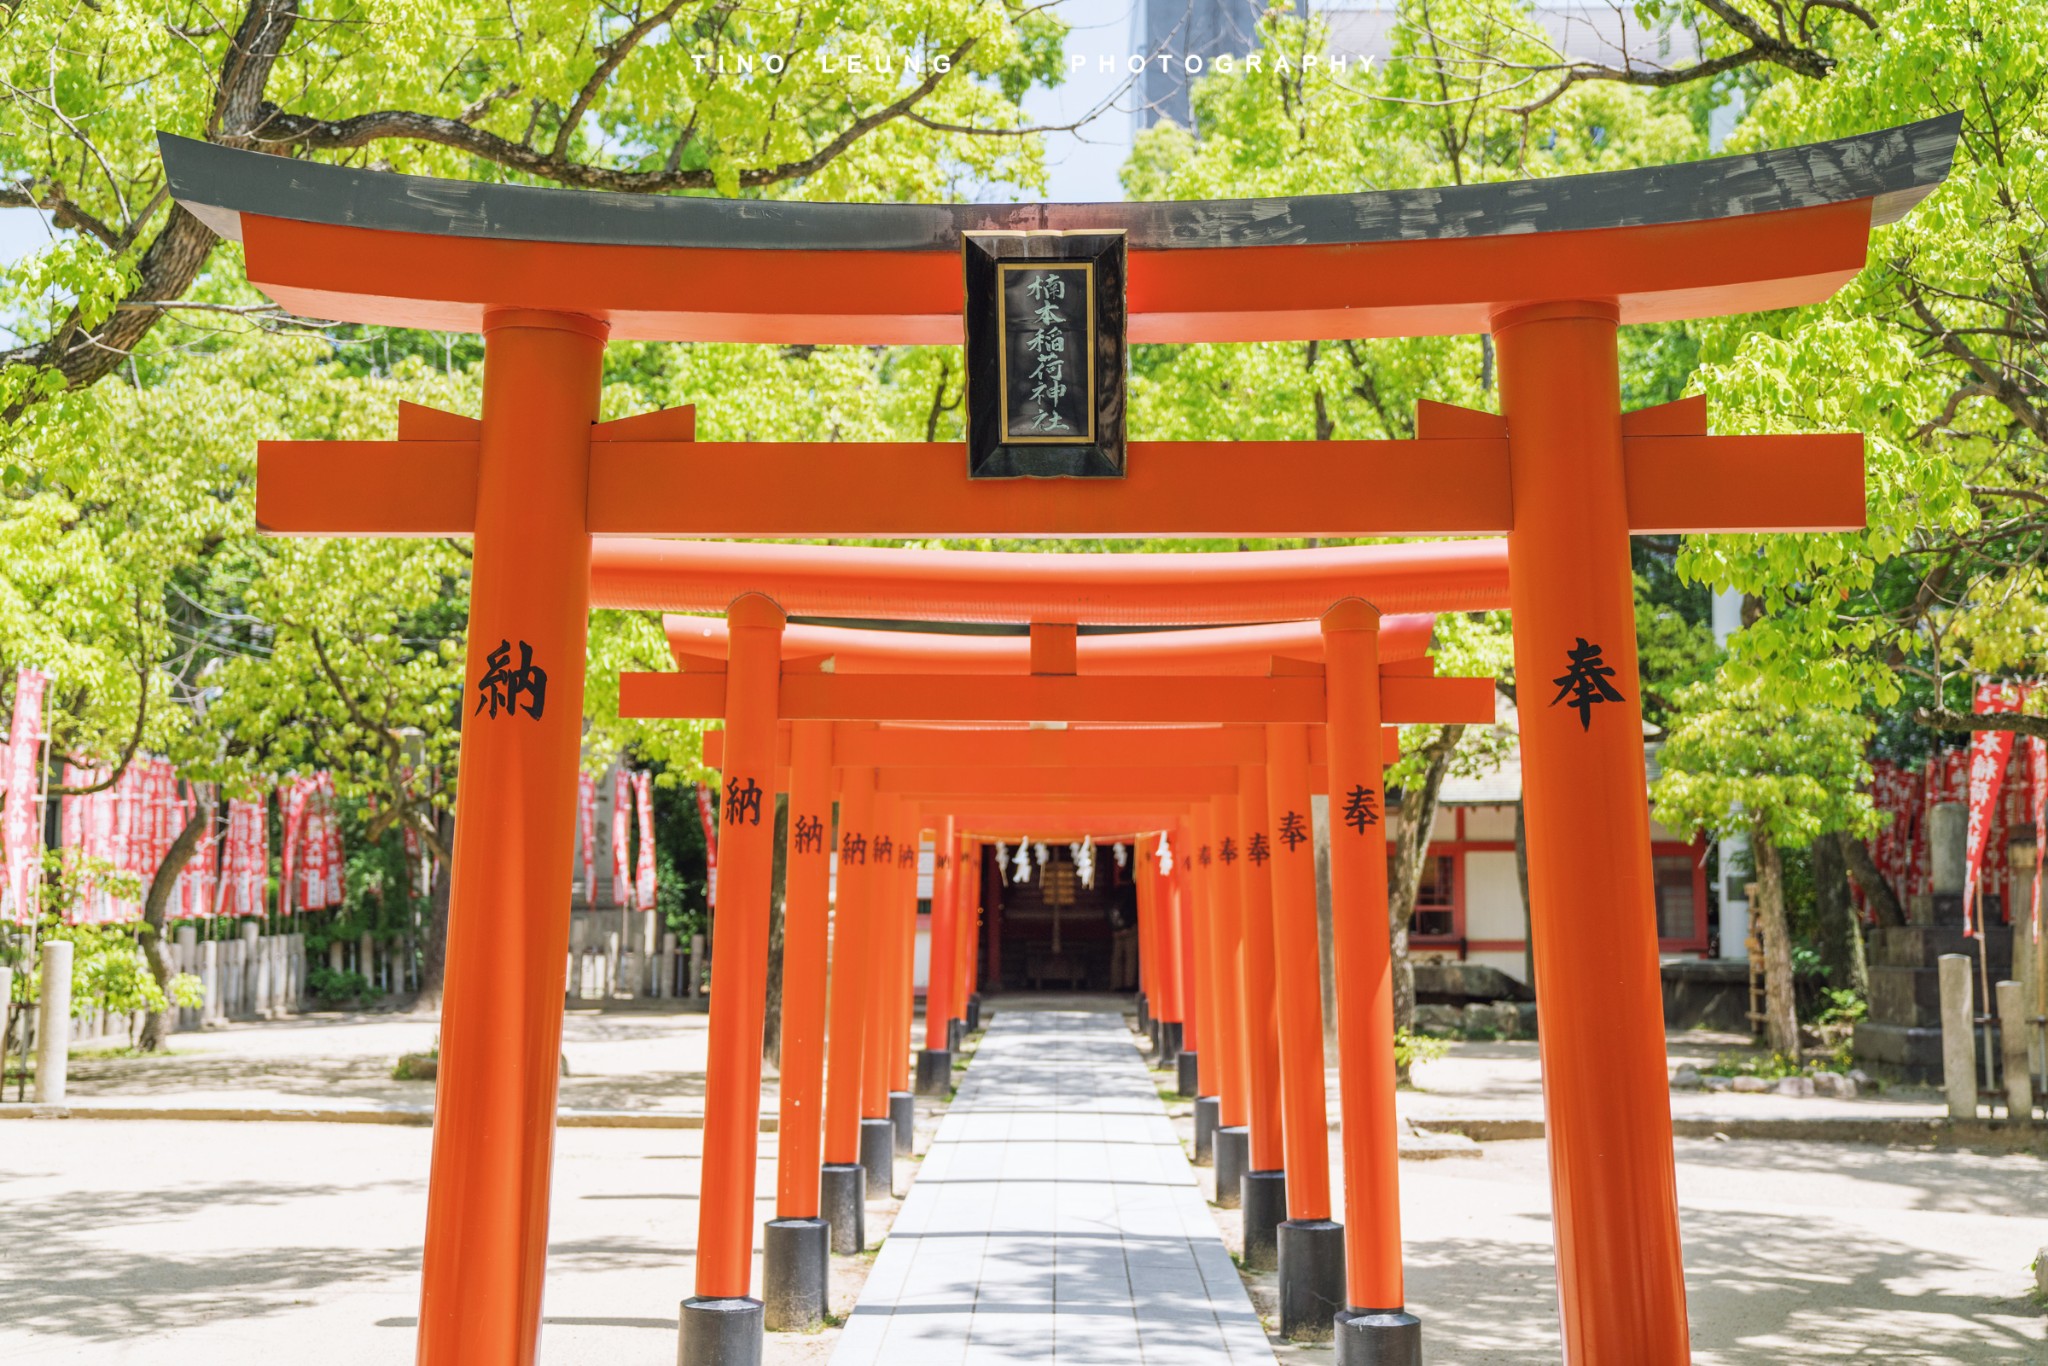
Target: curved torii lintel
x=1214, y=649
x=1168, y=589
x=1758, y=231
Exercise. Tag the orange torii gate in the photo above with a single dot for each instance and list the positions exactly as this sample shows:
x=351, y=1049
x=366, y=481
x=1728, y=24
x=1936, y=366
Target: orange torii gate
x=952, y=764
x=1549, y=268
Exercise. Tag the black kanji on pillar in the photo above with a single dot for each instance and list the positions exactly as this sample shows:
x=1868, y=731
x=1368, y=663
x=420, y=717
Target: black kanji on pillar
x=1583, y=685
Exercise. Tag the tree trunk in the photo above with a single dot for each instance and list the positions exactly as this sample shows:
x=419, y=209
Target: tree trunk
x=156, y=903
x=1841, y=933
x=778, y=875
x=1884, y=899
x=434, y=942
x=1411, y=847
x=1781, y=1018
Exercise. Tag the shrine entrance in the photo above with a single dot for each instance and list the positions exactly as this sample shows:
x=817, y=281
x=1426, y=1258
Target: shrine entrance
x=1549, y=269
x=1057, y=929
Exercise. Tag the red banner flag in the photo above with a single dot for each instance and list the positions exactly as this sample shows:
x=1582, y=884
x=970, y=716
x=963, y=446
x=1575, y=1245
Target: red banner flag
x=622, y=813
x=1990, y=753
x=643, y=795
x=586, y=831
x=710, y=820
x=2037, y=754
x=23, y=825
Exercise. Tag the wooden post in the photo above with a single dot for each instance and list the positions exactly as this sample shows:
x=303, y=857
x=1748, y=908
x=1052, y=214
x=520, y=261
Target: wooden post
x=501, y=1009
x=1180, y=902
x=1310, y=1244
x=1200, y=856
x=1227, y=937
x=796, y=1244
x=746, y=852
x=800, y=1128
x=941, y=964
x=851, y=932
x=1297, y=974
x=1614, y=1194
x=1376, y=1308
x=1262, y=1025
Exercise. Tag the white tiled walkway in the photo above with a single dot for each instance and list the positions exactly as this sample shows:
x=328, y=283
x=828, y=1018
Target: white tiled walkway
x=1055, y=1219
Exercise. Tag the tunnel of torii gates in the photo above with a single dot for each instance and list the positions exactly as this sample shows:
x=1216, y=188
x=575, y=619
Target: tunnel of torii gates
x=1236, y=794
x=1549, y=269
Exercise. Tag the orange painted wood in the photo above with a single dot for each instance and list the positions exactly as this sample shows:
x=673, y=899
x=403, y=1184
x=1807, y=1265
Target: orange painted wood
x=1153, y=908
x=418, y=422
x=367, y=488
x=1197, y=865
x=698, y=644
x=972, y=780
x=1412, y=701
x=1419, y=287
x=739, y=966
x=1451, y=421
x=1227, y=937
x=1680, y=417
x=845, y=1041
x=800, y=1129
x=663, y=424
x=1621, y=1278
x=508, y=929
x=1305, y=1123
x=1054, y=648
x=913, y=748
x=1370, y=1127
x=1808, y=482
x=1173, y=488
x=935, y=697
x=940, y=997
x=1261, y=1018
x=878, y=940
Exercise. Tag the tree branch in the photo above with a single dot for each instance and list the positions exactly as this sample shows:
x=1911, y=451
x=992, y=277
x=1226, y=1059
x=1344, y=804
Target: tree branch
x=2017, y=722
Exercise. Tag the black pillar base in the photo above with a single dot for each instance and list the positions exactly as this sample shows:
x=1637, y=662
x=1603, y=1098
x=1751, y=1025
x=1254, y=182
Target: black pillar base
x=903, y=1114
x=1378, y=1337
x=878, y=1156
x=1190, y=1075
x=1144, y=1014
x=842, y=1203
x=1265, y=1209
x=956, y=1035
x=796, y=1274
x=934, y=1072
x=720, y=1333
x=974, y=1012
x=1206, y=1108
x=1233, y=1154
x=1311, y=1278
x=1168, y=1045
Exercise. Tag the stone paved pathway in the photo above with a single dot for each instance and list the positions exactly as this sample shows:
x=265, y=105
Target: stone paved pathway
x=1054, y=1220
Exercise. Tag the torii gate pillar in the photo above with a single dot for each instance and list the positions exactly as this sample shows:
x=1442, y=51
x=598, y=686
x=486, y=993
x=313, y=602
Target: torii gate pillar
x=508, y=936
x=1620, y=1279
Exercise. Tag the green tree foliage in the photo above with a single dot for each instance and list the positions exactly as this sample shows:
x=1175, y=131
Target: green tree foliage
x=1738, y=762
x=144, y=369
x=1933, y=352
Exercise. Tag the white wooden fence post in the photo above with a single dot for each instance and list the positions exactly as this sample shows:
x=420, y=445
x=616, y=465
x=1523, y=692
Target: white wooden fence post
x=1958, y=1037
x=53, y=1024
x=2012, y=1029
